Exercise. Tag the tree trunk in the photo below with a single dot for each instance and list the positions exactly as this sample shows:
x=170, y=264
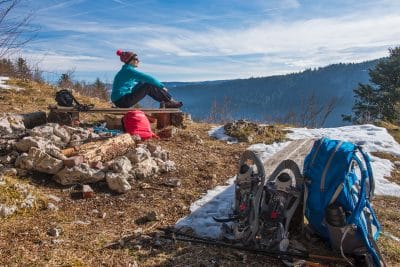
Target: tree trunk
x=104, y=150
x=34, y=119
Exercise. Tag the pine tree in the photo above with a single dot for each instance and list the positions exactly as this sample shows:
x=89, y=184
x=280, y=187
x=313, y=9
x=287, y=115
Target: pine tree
x=366, y=107
x=100, y=89
x=23, y=71
x=65, y=80
x=7, y=67
x=380, y=99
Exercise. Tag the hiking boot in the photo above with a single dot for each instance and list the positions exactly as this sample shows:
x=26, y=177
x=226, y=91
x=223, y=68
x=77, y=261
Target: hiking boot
x=171, y=104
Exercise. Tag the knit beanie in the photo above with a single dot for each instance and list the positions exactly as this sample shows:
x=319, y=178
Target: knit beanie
x=125, y=56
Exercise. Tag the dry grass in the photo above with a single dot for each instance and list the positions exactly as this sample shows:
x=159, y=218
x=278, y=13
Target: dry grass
x=37, y=97
x=388, y=213
x=388, y=208
x=253, y=133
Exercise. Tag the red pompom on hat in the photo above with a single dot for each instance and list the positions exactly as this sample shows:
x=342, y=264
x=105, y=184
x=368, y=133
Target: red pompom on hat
x=125, y=56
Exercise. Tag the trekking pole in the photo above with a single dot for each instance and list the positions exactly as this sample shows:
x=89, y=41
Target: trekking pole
x=274, y=254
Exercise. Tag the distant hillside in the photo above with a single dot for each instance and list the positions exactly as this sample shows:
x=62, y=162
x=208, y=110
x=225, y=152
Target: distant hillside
x=180, y=84
x=276, y=98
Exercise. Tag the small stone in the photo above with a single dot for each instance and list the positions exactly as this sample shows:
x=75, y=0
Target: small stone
x=6, y=210
x=121, y=165
x=87, y=191
x=157, y=243
x=54, y=198
x=118, y=182
x=73, y=161
x=138, y=231
x=151, y=216
x=54, y=232
x=211, y=176
x=97, y=165
x=28, y=202
x=133, y=264
x=57, y=241
x=52, y=207
x=152, y=148
x=137, y=247
x=173, y=182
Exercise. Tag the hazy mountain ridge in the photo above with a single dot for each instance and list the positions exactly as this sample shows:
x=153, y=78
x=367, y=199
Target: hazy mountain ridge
x=268, y=98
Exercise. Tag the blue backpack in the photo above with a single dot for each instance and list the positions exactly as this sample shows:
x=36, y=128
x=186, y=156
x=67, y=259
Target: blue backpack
x=336, y=199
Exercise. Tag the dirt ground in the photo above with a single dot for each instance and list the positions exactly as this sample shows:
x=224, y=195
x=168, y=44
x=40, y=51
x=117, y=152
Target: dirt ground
x=109, y=230
x=90, y=224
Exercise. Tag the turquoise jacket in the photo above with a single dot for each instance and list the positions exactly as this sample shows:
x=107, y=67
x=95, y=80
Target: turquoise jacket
x=127, y=78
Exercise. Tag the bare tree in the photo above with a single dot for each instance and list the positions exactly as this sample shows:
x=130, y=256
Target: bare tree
x=15, y=30
x=313, y=112
x=221, y=112
x=332, y=104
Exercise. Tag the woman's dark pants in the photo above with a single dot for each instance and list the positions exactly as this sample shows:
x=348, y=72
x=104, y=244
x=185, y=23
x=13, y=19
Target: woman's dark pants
x=139, y=92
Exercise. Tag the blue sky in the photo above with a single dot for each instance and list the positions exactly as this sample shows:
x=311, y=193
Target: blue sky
x=208, y=39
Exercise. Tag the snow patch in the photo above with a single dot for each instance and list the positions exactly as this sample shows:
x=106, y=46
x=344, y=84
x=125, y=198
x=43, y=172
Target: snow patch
x=5, y=86
x=218, y=132
x=373, y=139
x=218, y=202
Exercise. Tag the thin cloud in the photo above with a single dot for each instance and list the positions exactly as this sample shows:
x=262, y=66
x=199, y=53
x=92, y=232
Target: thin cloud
x=119, y=2
x=338, y=33
x=61, y=5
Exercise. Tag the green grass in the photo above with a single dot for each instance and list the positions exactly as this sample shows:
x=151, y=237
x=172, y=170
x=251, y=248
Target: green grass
x=10, y=194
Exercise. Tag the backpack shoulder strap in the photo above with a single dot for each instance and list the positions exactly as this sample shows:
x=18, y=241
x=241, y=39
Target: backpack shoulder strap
x=70, y=93
x=358, y=217
x=367, y=160
x=81, y=107
x=328, y=165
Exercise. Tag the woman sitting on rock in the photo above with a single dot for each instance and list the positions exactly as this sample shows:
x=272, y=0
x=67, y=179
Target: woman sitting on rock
x=131, y=85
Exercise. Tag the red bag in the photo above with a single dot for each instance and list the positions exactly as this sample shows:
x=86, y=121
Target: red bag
x=136, y=122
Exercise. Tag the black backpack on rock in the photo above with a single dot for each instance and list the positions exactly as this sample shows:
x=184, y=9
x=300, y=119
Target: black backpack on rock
x=65, y=98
